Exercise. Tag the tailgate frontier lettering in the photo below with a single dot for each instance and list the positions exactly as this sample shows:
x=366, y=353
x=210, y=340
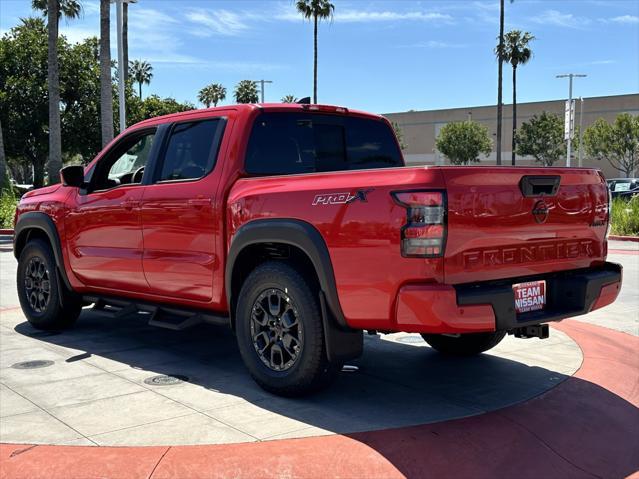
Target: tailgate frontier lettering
x=529, y=254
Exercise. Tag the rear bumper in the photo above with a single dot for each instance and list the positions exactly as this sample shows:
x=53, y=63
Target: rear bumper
x=490, y=306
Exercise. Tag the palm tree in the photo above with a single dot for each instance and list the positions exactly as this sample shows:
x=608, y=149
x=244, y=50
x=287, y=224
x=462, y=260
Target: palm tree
x=212, y=94
x=106, y=86
x=246, y=92
x=516, y=52
x=54, y=9
x=289, y=99
x=69, y=8
x=317, y=10
x=142, y=72
x=500, y=77
x=125, y=39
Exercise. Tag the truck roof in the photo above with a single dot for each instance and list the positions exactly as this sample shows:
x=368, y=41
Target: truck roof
x=247, y=107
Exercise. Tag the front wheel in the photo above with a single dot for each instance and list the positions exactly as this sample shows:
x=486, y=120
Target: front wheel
x=279, y=331
x=468, y=344
x=46, y=303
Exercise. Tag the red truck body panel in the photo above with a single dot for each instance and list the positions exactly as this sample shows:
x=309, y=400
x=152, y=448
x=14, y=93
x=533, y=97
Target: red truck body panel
x=169, y=242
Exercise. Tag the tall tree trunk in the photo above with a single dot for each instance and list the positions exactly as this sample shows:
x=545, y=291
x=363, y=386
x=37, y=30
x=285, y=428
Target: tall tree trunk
x=514, y=112
x=125, y=39
x=4, y=177
x=315, y=59
x=106, y=86
x=55, y=139
x=140, y=89
x=38, y=172
x=500, y=78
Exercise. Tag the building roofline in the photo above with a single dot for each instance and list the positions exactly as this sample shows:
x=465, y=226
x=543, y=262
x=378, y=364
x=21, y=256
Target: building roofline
x=510, y=104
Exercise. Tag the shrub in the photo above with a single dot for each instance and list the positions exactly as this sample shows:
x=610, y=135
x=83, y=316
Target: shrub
x=624, y=217
x=8, y=203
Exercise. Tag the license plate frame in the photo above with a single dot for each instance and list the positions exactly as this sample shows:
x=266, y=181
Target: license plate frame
x=530, y=296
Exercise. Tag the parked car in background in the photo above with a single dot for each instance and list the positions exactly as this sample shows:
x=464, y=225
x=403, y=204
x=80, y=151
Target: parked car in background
x=624, y=188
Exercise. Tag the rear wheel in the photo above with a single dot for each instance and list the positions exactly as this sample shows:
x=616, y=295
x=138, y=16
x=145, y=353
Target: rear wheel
x=279, y=331
x=40, y=291
x=468, y=344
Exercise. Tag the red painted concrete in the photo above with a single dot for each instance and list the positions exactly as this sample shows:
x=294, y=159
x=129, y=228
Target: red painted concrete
x=624, y=238
x=587, y=426
x=624, y=251
x=6, y=232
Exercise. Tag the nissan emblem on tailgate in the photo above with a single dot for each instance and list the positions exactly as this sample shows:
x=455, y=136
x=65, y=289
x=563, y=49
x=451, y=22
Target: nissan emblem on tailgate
x=540, y=211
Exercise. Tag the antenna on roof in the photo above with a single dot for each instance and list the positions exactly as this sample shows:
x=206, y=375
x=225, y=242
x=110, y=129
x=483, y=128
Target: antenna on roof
x=304, y=101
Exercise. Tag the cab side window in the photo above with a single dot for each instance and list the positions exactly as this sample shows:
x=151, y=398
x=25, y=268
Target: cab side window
x=125, y=163
x=191, y=150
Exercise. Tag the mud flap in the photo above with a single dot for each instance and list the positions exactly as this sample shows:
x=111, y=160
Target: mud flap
x=341, y=344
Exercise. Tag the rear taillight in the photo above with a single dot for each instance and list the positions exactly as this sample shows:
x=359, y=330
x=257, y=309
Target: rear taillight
x=424, y=234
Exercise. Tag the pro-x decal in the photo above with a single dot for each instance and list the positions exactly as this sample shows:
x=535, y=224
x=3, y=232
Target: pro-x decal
x=341, y=198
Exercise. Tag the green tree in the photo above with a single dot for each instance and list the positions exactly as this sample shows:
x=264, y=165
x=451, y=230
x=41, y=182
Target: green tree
x=463, y=142
x=57, y=8
x=246, y=92
x=153, y=106
x=289, y=99
x=542, y=137
x=398, y=133
x=317, y=10
x=106, y=83
x=212, y=94
x=141, y=73
x=23, y=94
x=80, y=94
x=500, y=78
x=618, y=143
x=4, y=172
x=516, y=52
x=24, y=98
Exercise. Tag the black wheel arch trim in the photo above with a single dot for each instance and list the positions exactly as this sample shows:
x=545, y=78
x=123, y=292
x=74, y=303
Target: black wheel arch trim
x=40, y=221
x=292, y=232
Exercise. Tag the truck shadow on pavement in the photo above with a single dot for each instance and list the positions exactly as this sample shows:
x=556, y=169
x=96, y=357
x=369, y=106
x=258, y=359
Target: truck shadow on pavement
x=419, y=410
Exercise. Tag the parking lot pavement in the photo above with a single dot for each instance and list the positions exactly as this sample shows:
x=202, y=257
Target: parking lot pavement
x=120, y=382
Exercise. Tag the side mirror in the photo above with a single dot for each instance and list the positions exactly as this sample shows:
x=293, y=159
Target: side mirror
x=72, y=176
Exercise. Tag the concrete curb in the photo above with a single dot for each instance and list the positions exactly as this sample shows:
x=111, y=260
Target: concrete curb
x=624, y=238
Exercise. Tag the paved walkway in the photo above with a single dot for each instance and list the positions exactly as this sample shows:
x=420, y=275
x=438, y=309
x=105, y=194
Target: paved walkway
x=585, y=427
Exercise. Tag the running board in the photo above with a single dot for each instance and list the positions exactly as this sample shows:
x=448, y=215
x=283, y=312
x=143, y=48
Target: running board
x=162, y=316
x=161, y=319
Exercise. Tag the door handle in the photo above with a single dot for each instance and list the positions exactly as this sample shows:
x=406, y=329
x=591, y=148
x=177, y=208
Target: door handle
x=199, y=202
x=130, y=204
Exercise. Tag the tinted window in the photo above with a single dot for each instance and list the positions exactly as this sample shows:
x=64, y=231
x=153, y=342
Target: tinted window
x=285, y=143
x=281, y=144
x=191, y=150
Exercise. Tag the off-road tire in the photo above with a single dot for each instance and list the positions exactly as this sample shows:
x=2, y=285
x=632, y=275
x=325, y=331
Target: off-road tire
x=52, y=314
x=468, y=344
x=311, y=371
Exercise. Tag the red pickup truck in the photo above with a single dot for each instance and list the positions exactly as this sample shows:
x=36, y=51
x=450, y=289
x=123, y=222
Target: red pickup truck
x=300, y=227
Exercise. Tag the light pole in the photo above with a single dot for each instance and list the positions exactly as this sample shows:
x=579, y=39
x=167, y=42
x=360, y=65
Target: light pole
x=581, y=130
x=262, y=82
x=570, y=76
x=121, y=65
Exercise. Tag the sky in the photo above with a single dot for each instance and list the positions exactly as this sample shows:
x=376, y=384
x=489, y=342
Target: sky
x=379, y=56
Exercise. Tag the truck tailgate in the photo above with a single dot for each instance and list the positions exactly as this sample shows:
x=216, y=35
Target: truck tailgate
x=516, y=222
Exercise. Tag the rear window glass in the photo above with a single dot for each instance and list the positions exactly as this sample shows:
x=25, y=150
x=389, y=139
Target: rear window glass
x=191, y=150
x=286, y=143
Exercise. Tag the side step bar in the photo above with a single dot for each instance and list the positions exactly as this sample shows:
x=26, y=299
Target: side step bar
x=162, y=316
